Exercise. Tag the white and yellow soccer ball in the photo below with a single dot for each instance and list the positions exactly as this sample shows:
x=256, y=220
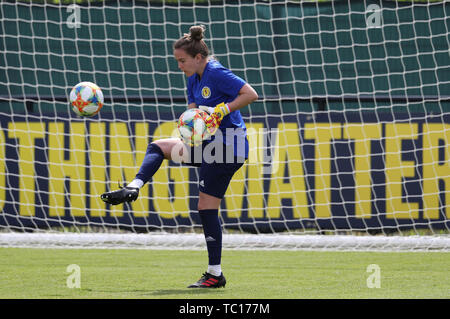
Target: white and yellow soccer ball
x=86, y=99
x=192, y=127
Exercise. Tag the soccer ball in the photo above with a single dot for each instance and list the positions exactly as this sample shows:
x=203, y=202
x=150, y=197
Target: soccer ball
x=86, y=99
x=192, y=127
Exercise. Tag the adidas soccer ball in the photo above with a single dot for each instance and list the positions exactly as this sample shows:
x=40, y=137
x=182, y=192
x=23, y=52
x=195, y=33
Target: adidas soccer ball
x=192, y=127
x=86, y=99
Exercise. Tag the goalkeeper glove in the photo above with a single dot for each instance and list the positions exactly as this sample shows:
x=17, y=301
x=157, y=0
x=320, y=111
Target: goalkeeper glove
x=216, y=115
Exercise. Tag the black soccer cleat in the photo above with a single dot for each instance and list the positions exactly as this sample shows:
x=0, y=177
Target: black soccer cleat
x=209, y=281
x=124, y=194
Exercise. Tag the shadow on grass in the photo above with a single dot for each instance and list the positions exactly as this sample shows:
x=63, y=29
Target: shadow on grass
x=186, y=291
x=149, y=293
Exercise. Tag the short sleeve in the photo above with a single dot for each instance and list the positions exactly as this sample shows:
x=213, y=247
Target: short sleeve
x=229, y=83
x=190, y=94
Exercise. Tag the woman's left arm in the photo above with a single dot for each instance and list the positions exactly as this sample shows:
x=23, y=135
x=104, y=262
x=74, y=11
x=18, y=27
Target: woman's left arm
x=246, y=96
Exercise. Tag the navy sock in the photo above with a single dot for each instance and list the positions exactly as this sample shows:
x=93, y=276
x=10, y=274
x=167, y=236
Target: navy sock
x=151, y=163
x=213, y=234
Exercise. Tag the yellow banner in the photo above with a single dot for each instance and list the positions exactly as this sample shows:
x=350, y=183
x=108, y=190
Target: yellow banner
x=86, y=159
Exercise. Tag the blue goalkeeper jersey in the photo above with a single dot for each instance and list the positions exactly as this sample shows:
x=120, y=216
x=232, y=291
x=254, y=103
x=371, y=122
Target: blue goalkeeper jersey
x=217, y=85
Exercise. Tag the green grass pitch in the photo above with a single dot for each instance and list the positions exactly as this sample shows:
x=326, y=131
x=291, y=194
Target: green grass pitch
x=257, y=274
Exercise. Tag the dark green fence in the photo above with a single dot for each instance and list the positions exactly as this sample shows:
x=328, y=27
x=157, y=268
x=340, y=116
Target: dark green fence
x=282, y=49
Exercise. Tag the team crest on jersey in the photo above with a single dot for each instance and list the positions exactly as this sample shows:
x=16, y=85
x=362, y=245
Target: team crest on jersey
x=206, y=92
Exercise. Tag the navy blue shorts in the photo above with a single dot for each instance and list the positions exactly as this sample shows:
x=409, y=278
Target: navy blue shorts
x=217, y=165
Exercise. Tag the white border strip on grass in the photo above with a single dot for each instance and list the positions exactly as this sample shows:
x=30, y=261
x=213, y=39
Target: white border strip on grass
x=234, y=241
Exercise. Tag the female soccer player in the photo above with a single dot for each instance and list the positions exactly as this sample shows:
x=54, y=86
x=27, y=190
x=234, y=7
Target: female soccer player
x=217, y=90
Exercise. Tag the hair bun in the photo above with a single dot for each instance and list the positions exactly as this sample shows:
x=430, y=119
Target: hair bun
x=196, y=32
